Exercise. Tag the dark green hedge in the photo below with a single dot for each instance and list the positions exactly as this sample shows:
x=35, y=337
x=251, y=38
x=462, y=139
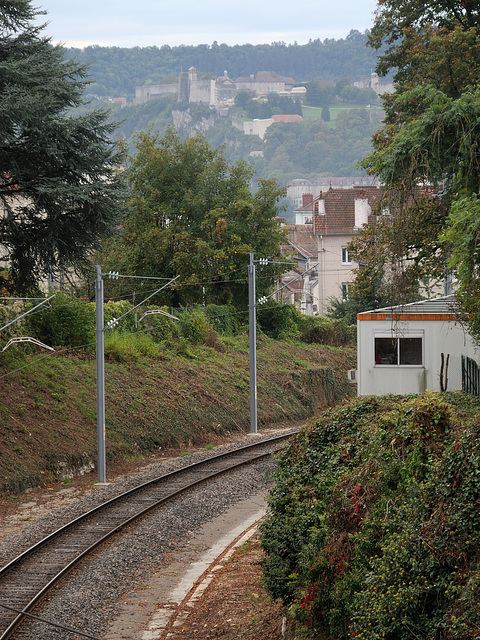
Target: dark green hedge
x=374, y=529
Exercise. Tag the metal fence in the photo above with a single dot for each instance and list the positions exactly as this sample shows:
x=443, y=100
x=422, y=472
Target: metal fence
x=470, y=376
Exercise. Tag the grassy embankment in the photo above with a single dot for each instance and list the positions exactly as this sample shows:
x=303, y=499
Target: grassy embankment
x=48, y=408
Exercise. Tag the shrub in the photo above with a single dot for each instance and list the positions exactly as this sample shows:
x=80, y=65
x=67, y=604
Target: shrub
x=8, y=312
x=336, y=333
x=65, y=322
x=222, y=318
x=129, y=348
x=116, y=309
x=161, y=327
x=374, y=528
x=279, y=321
x=194, y=326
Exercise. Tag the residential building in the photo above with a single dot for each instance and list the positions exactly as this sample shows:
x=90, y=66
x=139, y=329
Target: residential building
x=299, y=187
x=318, y=242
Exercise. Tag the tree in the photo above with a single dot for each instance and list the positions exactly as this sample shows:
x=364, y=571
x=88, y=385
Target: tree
x=326, y=113
x=192, y=214
x=426, y=154
x=319, y=95
x=59, y=188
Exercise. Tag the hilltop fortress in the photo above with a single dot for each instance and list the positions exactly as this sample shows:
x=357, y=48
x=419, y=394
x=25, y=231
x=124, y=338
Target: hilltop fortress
x=219, y=92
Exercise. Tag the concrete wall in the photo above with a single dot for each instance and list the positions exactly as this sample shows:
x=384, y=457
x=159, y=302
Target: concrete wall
x=252, y=127
x=439, y=336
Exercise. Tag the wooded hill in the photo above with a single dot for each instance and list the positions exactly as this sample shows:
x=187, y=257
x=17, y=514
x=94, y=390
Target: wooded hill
x=116, y=71
x=312, y=149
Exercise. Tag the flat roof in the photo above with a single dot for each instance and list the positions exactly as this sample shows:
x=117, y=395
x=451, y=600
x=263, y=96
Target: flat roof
x=444, y=308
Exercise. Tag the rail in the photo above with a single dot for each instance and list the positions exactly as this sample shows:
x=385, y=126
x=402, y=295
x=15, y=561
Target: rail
x=26, y=579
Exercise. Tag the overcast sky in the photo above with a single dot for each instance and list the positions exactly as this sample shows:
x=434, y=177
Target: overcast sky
x=130, y=23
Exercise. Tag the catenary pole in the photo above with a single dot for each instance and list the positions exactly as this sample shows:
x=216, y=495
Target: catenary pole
x=100, y=344
x=252, y=332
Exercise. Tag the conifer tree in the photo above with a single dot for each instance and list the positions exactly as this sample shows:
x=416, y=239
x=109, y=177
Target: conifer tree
x=59, y=181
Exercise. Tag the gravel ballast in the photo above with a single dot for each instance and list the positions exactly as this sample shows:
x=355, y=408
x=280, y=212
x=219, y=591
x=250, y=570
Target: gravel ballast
x=89, y=599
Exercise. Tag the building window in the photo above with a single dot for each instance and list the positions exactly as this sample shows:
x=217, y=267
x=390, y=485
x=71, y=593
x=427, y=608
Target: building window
x=345, y=256
x=402, y=351
x=345, y=290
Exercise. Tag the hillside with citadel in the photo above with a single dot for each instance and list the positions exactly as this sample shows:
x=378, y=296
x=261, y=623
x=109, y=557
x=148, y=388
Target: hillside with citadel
x=296, y=112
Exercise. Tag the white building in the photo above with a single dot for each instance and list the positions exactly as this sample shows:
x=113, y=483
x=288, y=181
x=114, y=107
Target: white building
x=412, y=348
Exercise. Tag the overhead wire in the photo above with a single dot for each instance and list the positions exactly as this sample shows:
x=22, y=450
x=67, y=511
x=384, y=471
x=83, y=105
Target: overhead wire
x=51, y=623
x=259, y=276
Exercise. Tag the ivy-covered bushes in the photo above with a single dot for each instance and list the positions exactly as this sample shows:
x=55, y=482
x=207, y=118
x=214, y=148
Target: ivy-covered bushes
x=279, y=321
x=223, y=318
x=374, y=524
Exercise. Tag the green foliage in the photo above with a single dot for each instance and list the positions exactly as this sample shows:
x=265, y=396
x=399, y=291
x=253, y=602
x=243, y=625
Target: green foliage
x=60, y=186
x=316, y=147
x=117, y=70
x=332, y=332
x=194, y=326
x=462, y=239
x=130, y=348
x=430, y=137
x=373, y=528
x=319, y=95
x=347, y=310
x=222, y=318
x=161, y=327
x=65, y=322
x=285, y=321
x=8, y=312
x=113, y=310
x=192, y=215
x=278, y=321
x=350, y=93
x=261, y=108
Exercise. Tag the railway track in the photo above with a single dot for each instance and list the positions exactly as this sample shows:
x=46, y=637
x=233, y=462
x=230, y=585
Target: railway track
x=27, y=579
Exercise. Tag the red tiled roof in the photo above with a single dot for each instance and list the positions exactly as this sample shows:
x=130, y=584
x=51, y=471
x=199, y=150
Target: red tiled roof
x=339, y=206
x=301, y=235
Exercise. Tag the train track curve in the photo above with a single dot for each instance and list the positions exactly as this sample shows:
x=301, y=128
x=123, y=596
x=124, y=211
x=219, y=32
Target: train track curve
x=28, y=578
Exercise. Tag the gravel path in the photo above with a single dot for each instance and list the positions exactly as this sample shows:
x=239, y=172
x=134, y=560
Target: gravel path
x=91, y=597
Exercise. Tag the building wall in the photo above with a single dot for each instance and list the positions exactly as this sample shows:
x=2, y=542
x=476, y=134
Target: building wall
x=202, y=92
x=373, y=82
x=260, y=88
x=439, y=336
x=154, y=91
x=256, y=127
x=332, y=272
